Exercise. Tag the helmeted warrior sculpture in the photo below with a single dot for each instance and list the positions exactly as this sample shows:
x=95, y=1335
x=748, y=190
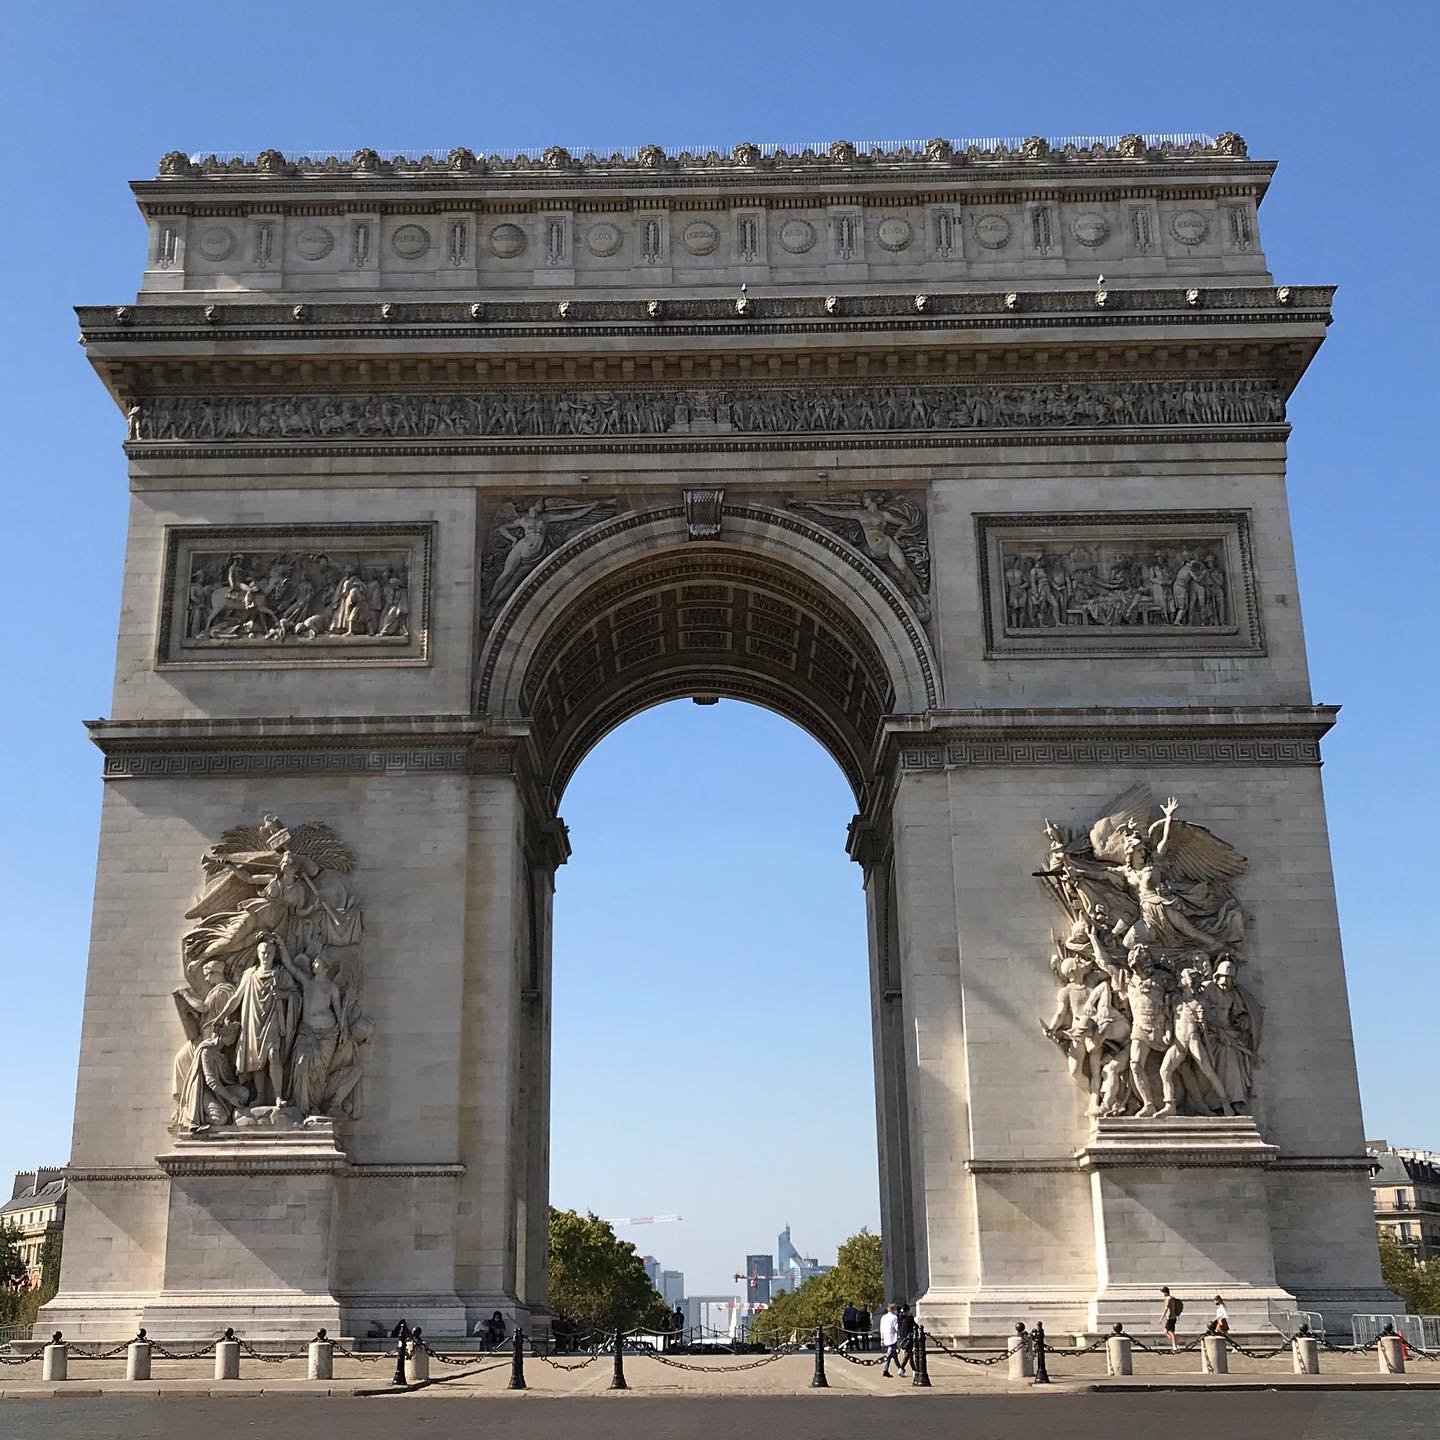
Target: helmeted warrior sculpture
x=1150, y=1014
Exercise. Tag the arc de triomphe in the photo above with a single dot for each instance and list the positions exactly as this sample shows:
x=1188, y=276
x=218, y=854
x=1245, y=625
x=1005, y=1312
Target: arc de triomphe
x=442, y=467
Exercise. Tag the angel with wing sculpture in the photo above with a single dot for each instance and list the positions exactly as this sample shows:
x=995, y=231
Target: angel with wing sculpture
x=1150, y=1014
x=521, y=539
x=888, y=531
x=272, y=1000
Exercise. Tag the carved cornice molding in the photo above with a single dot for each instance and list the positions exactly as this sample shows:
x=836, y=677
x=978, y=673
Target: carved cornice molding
x=112, y=1174
x=361, y=745
x=251, y=320
x=744, y=162
x=1219, y=736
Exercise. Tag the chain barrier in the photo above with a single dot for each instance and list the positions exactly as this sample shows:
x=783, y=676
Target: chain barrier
x=1233, y=1344
x=20, y=1359
x=264, y=1359
x=156, y=1348
x=367, y=1359
x=964, y=1359
x=110, y=1354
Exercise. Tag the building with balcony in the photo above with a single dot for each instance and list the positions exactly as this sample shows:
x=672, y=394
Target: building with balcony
x=34, y=1212
x=1406, y=1187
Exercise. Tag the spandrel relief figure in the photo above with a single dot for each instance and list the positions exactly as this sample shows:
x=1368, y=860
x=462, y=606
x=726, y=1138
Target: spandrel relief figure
x=279, y=597
x=520, y=539
x=1153, y=938
x=274, y=957
x=890, y=531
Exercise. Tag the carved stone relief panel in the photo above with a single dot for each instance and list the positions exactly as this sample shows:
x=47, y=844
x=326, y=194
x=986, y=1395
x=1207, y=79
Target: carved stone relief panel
x=749, y=410
x=272, y=1003
x=1151, y=1015
x=1119, y=584
x=522, y=533
x=889, y=530
x=296, y=595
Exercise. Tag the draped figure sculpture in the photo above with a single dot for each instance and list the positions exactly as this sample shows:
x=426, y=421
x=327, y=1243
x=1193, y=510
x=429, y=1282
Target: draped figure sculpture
x=272, y=1003
x=1150, y=1013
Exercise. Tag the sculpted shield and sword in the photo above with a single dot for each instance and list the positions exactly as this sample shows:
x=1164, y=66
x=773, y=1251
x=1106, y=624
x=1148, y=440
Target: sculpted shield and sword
x=272, y=1004
x=1151, y=1015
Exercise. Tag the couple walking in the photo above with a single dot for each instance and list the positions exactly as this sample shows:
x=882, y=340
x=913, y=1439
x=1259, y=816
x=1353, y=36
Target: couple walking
x=897, y=1336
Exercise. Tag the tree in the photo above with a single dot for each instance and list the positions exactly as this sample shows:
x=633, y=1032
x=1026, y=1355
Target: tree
x=596, y=1281
x=858, y=1277
x=1416, y=1282
x=14, y=1276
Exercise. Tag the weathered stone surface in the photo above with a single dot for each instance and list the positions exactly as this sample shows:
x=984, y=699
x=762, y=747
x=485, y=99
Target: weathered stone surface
x=442, y=468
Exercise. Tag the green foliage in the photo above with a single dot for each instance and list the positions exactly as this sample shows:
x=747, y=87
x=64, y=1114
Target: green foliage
x=19, y=1304
x=596, y=1281
x=1416, y=1282
x=13, y=1276
x=858, y=1277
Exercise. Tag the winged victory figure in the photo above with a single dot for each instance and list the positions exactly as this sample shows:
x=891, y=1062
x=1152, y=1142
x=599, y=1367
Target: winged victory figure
x=890, y=532
x=520, y=539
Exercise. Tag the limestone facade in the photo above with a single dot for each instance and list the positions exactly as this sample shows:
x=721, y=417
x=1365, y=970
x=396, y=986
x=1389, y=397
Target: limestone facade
x=578, y=435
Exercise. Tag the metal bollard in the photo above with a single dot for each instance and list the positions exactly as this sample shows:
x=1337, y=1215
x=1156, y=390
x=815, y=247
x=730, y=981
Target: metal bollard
x=137, y=1358
x=1390, y=1354
x=617, y=1375
x=55, y=1363
x=417, y=1367
x=320, y=1364
x=227, y=1357
x=1119, y=1354
x=1215, y=1355
x=922, y=1363
x=1042, y=1372
x=1306, y=1351
x=399, y=1377
x=1021, y=1364
x=818, y=1380
x=517, y=1360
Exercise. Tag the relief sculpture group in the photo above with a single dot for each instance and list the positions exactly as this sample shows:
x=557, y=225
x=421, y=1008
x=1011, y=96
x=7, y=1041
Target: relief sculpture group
x=772, y=410
x=272, y=1000
x=1151, y=1015
x=1098, y=584
x=275, y=596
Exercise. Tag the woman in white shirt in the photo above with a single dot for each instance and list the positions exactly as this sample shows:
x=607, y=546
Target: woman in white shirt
x=1222, y=1317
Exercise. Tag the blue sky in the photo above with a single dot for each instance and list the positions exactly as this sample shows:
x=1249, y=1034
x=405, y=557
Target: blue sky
x=684, y=808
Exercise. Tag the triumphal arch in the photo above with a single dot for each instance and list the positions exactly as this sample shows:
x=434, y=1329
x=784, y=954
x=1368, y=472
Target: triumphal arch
x=967, y=457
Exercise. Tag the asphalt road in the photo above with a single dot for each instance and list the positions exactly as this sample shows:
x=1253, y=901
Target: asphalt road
x=1173, y=1416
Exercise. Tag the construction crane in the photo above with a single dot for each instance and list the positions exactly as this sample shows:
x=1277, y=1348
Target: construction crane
x=644, y=1220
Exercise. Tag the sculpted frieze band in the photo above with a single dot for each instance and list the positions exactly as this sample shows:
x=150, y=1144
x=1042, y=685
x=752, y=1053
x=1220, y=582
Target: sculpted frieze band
x=599, y=414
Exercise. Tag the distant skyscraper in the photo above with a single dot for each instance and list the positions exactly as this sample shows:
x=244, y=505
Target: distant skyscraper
x=758, y=1270
x=672, y=1286
x=786, y=1255
x=652, y=1269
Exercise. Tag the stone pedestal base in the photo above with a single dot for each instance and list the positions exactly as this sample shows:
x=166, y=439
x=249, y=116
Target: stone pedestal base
x=1182, y=1202
x=1179, y=1202
x=249, y=1235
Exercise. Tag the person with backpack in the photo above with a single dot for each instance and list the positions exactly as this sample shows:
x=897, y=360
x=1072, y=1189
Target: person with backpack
x=1170, y=1317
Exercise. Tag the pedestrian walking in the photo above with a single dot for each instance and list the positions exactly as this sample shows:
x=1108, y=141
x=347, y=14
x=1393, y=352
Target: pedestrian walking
x=850, y=1320
x=1222, y=1317
x=677, y=1327
x=907, y=1336
x=862, y=1324
x=1170, y=1316
x=890, y=1339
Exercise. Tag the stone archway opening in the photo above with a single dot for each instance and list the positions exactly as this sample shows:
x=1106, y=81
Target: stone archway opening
x=709, y=987
x=634, y=613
